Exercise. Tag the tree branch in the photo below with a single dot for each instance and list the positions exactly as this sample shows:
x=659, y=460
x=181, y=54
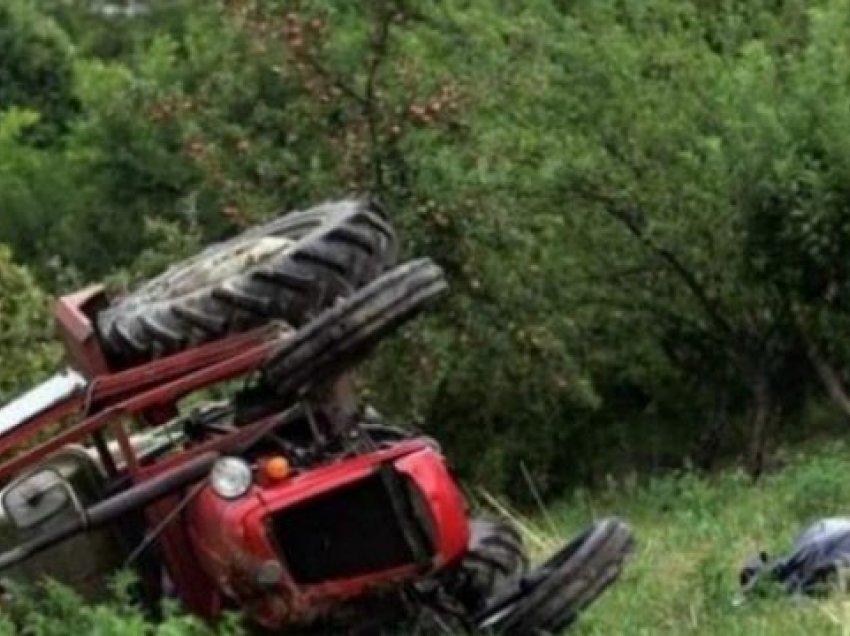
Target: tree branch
x=658, y=311
x=378, y=54
x=332, y=79
x=633, y=219
x=828, y=376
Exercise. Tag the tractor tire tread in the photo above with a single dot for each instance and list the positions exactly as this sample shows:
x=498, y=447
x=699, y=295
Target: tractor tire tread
x=337, y=247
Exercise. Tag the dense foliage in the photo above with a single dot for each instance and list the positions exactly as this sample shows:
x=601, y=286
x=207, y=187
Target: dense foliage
x=641, y=205
x=29, y=351
x=53, y=610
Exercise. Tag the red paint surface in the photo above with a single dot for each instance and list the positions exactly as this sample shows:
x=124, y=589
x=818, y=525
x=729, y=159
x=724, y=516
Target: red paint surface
x=232, y=540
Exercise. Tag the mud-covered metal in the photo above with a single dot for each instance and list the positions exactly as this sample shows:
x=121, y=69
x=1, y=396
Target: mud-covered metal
x=552, y=595
x=368, y=513
x=50, y=496
x=103, y=512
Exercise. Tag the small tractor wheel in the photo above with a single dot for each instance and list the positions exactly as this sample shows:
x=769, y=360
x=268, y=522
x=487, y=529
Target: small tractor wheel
x=553, y=595
x=495, y=563
x=288, y=270
x=341, y=336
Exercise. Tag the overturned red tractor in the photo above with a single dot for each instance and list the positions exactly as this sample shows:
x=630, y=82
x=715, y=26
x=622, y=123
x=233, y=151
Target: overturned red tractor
x=207, y=434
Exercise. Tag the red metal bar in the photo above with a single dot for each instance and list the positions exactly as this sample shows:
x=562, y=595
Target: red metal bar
x=109, y=388
x=196, y=589
x=77, y=331
x=69, y=436
x=23, y=432
x=168, y=393
x=222, y=444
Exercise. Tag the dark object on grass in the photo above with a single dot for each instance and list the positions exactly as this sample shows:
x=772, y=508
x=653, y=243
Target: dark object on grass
x=819, y=557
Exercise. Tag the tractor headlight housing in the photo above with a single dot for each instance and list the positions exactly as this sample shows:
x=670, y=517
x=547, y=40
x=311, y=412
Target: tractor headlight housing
x=231, y=477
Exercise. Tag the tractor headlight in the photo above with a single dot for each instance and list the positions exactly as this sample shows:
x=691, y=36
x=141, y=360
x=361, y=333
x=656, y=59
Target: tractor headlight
x=230, y=477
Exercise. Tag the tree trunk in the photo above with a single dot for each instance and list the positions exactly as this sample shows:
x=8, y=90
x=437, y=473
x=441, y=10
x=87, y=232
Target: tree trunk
x=826, y=372
x=763, y=414
x=710, y=441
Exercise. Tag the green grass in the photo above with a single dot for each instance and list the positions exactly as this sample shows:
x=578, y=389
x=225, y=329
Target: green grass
x=693, y=534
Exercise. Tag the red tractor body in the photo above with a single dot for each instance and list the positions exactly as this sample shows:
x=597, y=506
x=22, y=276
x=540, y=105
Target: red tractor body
x=286, y=499
x=293, y=547
x=296, y=549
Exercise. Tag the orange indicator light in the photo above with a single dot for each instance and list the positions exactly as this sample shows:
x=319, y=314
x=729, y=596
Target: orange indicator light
x=277, y=468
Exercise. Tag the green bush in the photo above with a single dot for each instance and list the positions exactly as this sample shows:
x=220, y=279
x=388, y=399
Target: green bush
x=54, y=610
x=640, y=206
x=28, y=348
x=36, y=69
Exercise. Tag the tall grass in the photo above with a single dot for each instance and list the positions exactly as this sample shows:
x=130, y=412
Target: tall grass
x=693, y=534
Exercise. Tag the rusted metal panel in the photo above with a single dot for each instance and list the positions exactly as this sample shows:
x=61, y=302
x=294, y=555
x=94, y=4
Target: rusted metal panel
x=73, y=320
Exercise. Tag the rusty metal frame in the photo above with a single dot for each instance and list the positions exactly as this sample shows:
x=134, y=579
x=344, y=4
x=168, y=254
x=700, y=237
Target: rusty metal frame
x=110, y=397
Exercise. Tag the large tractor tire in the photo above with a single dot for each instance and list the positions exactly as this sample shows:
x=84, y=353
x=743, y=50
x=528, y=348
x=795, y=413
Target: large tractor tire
x=340, y=337
x=553, y=595
x=288, y=270
x=495, y=563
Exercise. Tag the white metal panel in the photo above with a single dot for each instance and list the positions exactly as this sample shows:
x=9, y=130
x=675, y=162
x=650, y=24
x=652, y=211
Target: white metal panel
x=38, y=400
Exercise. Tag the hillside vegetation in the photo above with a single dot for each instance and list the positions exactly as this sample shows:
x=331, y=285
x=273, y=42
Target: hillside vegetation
x=693, y=535
x=642, y=206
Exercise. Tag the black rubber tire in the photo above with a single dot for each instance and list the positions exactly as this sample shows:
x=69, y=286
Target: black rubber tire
x=554, y=594
x=311, y=258
x=495, y=563
x=341, y=336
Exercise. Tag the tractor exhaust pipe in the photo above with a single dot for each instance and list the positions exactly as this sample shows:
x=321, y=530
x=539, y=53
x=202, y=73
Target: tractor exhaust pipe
x=110, y=509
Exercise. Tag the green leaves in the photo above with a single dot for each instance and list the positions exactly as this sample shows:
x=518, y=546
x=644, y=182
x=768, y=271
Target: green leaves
x=50, y=609
x=35, y=69
x=629, y=198
x=27, y=348
x=14, y=122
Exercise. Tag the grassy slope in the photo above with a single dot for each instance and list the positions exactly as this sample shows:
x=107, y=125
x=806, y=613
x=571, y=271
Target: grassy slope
x=694, y=534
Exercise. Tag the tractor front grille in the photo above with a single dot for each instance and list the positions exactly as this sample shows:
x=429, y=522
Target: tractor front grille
x=365, y=527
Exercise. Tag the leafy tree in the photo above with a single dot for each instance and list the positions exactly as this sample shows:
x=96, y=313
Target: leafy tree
x=28, y=349
x=37, y=190
x=641, y=206
x=35, y=68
